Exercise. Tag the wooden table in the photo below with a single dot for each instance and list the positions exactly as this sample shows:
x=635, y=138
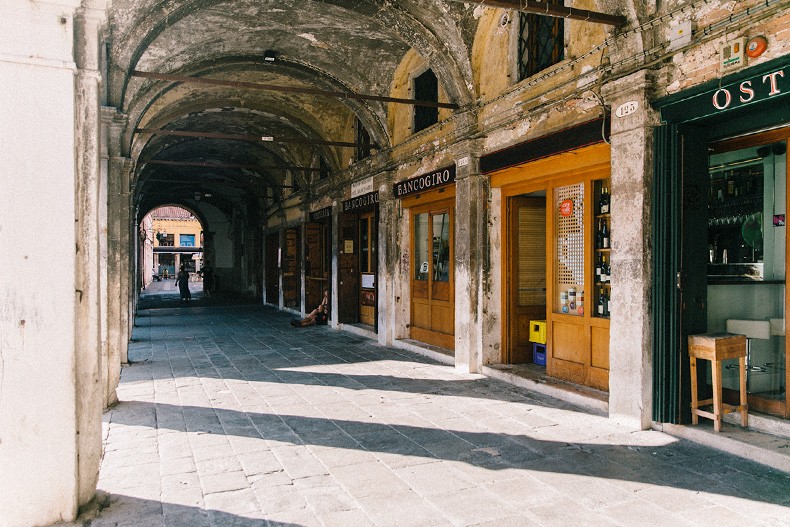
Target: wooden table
x=717, y=347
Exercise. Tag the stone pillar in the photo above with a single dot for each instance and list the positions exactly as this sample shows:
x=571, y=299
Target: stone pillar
x=388, y=266
x=630, y=334
x=88, y=26
x=117, y=167
x=118, y=176
x=47, y=112
x=471, y=246
x=334, y=287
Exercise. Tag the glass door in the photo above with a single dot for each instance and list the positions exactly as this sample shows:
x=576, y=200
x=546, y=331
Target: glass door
x=433, y=307
x=367, y=268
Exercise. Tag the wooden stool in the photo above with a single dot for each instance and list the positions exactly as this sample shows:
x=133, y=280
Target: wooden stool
x=717, y=347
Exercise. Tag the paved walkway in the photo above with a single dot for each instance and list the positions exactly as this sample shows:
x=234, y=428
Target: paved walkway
x=231, y=417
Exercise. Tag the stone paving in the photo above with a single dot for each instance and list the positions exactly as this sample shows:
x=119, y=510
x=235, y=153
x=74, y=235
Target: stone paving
x=231, y=417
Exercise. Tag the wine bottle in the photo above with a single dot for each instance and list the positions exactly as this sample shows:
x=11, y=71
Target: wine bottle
x=604, y=235
x=604, y=271
x=601, y=305
x=604, y=201
x=599, y=236
x=598, y=265
x=606, y=304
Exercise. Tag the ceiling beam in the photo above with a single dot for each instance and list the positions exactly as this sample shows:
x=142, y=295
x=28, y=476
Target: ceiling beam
x=287, y=89
x=186, y=181
x=252, y=138
x=556, y=10
x=226, y=165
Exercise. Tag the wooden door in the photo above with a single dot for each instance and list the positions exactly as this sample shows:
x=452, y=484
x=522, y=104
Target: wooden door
x=432, y=294
x=348, y=264
x=316, y=264
x=367, y=268
x=526, y=273
x=291, y=282
x=272, y=269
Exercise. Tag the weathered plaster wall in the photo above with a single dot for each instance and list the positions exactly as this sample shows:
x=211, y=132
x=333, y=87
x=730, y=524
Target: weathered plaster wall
x=401, y=116
x=700, y=63
x=38, y=397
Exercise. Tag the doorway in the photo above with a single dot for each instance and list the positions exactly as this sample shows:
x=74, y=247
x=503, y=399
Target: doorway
x=432, y=280
x=527, y=269
x=273, y=269
x=318, y=258
x=747, y=261
x=367, y=268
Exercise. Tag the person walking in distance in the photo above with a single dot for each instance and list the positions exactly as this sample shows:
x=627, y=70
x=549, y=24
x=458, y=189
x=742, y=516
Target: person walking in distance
x=207, y=272
x=182, y=280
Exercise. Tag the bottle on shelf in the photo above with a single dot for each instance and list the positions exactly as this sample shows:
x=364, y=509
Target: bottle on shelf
x=598, y=267
x=601, y=303
x=604, y=234
x=604, y=201
x=599, y=235
x=604, y=270
x=580, y=303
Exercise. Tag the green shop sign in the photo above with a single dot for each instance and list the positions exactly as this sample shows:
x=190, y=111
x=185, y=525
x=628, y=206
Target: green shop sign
x=769, y=82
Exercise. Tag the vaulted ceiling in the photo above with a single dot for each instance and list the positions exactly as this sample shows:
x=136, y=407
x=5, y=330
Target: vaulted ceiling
x=333, y=45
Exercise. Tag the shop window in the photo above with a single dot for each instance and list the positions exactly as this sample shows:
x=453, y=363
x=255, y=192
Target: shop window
x=421, y=246
x=541, y=42
x=363, y=142
x=323, y=167
x=186, y=240
x=426, y=88
x=569, y=250
x=441, y=247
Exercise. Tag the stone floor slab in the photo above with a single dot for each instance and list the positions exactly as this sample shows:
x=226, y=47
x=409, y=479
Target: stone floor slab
x=228, y=416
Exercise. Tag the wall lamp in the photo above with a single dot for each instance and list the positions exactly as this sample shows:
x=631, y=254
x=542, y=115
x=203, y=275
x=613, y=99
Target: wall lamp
x=269, y=55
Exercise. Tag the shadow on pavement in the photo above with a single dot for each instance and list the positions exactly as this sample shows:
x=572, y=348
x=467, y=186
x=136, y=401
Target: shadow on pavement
x=118, y=509
x=680, y=464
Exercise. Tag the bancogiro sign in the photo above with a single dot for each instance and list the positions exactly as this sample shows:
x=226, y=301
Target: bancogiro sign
x=441, y=177
x=321, y=214
x=366, y=200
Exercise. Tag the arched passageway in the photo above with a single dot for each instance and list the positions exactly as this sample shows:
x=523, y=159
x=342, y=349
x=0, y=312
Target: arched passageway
x=454, y=173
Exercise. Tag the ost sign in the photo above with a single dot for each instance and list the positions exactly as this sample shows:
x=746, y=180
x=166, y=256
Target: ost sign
x=441, y=177
x=762, y=87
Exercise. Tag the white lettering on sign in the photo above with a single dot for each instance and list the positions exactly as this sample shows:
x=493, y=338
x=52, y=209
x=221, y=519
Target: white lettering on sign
x=772, y=76
x=717, y=102
x=627, y=108
x=425, y=182
x=746, y=89
x=463, y=162
x=723, y=98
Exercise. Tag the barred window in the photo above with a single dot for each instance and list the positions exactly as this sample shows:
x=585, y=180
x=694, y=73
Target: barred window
x=363, y=139
x=541, y=42
x=426, y=88
x=323, y=168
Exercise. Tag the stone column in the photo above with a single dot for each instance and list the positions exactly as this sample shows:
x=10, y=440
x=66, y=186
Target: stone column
x=388, y=277
x=471, y=246
x=88, y=27
x=630, y=334
x=47, y=112
x=117, y=167
x=334, y=287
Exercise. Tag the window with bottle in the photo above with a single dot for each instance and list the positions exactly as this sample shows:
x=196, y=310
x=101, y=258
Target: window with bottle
x=603, y=246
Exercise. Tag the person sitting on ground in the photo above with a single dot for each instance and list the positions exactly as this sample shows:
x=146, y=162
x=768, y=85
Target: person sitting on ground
x=318, y=316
